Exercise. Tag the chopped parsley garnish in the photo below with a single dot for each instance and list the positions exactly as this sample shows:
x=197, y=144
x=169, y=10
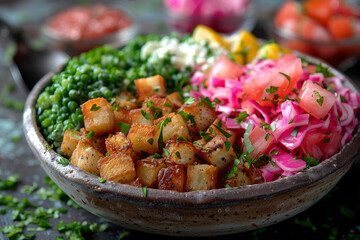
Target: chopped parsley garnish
x=320, y=100
x=146, y=115
x=188, y=117
x=167, y=104
x=248, y=144
x=208, y=102
x=166, y=152
x=101, y=180
x=189, y=100
x=324, y=70
x=63, y=161
x=287, y=77
x=295, y=131
x=343, y=99
x=272, y=89
x=262, y=160
x=223, y=132
x=182, y=139
x=124, y=127
x=265, y=125
x=10, y=182
x=205, y=135
x=227, y=145
x=327, y=140
x=241, y=117
x=144, y=191
x=90, y=135
x=178, y=155
x=150, y=140
x=94, y=108
x=161, y=125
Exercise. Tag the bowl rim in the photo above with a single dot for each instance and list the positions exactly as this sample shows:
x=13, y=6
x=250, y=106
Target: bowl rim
x=195, y=199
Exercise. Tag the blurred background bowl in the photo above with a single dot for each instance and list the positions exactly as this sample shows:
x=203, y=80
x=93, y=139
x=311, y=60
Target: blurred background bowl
x=326, y=29
x=342, y=54
x=54, y=38
x=224, y=16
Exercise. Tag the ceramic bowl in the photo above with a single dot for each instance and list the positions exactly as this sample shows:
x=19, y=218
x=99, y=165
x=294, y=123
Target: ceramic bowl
x=198, y=213
x=342, y=53
x=75, y=47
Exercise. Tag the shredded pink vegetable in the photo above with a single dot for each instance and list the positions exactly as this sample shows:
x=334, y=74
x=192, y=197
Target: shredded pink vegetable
x=291, y=126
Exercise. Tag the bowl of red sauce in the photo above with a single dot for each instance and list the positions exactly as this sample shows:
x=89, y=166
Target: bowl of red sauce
x=80, y=28
x=224, y=16
x=326, y=29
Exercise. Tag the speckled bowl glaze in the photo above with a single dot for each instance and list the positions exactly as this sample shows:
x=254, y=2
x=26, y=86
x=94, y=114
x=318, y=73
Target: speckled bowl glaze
x=199, y=213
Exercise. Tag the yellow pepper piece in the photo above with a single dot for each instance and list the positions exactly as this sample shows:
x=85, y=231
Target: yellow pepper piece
x=244, y=47
x=272, y=51
x=204, y=33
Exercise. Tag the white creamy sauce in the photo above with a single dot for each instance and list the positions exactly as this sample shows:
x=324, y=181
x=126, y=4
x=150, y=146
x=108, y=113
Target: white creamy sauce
x=183, y=54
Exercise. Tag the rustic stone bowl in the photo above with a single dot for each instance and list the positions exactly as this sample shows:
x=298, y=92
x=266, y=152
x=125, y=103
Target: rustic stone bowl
x=199, y=213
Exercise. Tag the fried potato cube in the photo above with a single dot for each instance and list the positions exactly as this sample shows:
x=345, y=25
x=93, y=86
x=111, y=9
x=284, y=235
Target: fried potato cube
x=172, y=178
x=125, y=100
x=175, y=99
x=118, y=167
x=147, y=170
x=244, y=176
x=144, y=138
x=201, y=115
x=70, y=140
x=218, y=153
x=147, y=87
x=117, y=143
x=160, y=106
x=175, y=129
x=142, y=116
x=121, y=115
x=215, y=131
x=98, y=142
x=98, y=116
x=240, y=177
x=86, y=157
x=201, y=177
x=181, y=153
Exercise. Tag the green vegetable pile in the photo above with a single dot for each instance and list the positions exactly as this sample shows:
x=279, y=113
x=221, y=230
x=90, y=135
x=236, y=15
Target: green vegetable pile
x=101, y=72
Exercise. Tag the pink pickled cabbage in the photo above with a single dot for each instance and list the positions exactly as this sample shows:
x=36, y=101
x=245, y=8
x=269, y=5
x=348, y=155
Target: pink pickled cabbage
x=286, y=121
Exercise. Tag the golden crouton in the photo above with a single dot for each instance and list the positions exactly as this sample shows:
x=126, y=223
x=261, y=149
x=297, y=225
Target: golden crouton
x=175, y=129
x=180, y=152
x=70, y=140
x=121, y=115
x=172, y=178
x=86, y=157
x=201, y=177
x=143, y=116
x=213, y=131
x=160, y=106
x=118, y=167
x=118, y=142
x=175, y=99
x=144, y=138
x=147, y=170
x=98, y=142
x=98, y=116
x=147, y=87
x=200, y=115
x=126, y=100
x=242, y=176
x=218, y=152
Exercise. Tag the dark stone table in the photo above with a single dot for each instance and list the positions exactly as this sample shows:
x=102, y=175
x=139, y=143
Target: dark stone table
x=336, y=216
